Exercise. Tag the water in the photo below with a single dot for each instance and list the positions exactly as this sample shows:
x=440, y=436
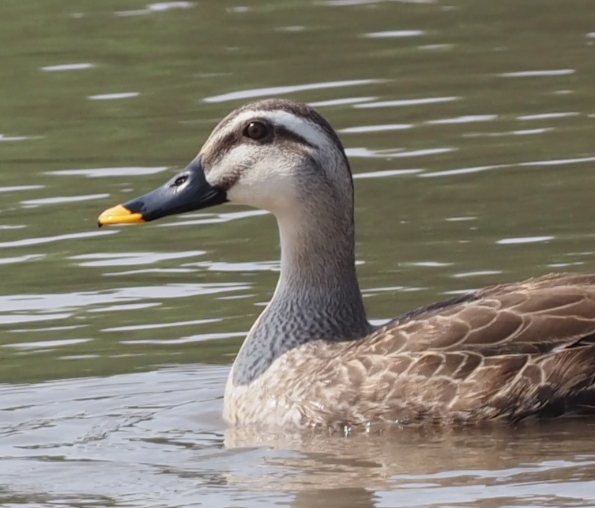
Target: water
x=470, y=128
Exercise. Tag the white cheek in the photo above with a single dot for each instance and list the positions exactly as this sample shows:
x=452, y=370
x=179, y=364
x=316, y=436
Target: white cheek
x=263, y=186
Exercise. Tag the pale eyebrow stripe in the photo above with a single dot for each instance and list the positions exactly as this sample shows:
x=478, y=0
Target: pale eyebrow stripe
x=302, y=127
x=284, y=132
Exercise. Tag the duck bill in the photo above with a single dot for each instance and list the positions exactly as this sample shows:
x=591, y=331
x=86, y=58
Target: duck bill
x=185, y=192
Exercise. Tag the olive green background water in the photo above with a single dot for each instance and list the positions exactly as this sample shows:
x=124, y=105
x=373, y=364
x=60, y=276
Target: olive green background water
x=470, y=127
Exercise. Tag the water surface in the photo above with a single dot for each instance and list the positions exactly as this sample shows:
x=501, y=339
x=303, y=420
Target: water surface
x=470, y=128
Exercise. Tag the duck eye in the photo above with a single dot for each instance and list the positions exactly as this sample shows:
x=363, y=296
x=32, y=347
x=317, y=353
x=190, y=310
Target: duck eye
x=180, y=180
x=255, y=130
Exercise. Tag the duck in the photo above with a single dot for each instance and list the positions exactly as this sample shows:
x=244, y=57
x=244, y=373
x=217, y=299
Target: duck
x=312, y=359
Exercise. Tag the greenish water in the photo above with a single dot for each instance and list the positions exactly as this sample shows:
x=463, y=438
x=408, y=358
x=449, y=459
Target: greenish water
x=470, y=129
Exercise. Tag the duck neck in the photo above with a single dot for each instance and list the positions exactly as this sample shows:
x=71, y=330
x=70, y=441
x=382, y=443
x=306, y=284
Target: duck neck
x=317, y=296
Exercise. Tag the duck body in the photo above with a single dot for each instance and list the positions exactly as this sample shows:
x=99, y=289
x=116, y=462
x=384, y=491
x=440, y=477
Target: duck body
x=507, y=353
x=312, y=359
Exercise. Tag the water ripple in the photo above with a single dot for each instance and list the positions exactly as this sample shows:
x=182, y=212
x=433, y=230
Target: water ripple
x=376, y=128
x=538, y=73
x=44, y=344
x=522, y=132
x=388, y=172
x=125, y=307
x=132, y=258
x=62, y=199
x=187, y=340
x=478, y=273
x=156, y=7
x=547, y=116
x=346, y=3
x=30, y=318
x=460, y=219
x=148, y=270
x=50, y=239
x=394, y=33
x=281, y=90
x=479, y=169
x=67, y=67
x=69, y=301
x=113, y=96
x=395, y=152
x=525, y=239
x=428, y=264
x=341, y=102
x=22, y=259
x=15, y=188
x=161, y=325
x=213, y=218
x=254, y=266
x=292, y=28
x=463, y=119
x=558, y=162
x=389, y=289
x=407, y=102
x=3, y=137
x=109, y=172
x=463, y=171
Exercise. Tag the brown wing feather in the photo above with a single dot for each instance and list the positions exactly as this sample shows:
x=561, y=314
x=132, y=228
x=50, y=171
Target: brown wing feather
x=535, y=316
x=505, y=352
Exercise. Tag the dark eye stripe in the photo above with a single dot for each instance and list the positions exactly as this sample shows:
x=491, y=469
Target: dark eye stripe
x=218, y=150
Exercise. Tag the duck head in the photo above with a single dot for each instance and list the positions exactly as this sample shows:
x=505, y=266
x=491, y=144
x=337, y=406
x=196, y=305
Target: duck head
x=274, y=154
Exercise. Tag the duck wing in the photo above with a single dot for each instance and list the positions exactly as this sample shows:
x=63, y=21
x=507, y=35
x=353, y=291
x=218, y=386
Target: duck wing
x=506, y=352
x=541, y=315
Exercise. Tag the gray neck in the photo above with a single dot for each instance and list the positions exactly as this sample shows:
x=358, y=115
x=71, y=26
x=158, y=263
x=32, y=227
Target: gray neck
x=317, y=297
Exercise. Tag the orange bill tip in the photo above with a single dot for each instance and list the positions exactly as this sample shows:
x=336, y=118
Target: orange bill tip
x=119, y=215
